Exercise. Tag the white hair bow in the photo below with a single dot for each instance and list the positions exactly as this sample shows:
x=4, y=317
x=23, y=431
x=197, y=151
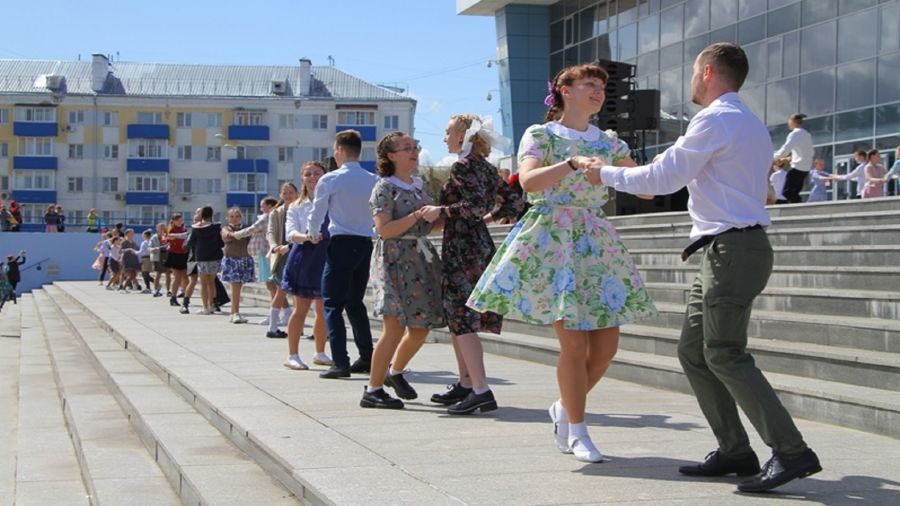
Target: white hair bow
x=485, y=128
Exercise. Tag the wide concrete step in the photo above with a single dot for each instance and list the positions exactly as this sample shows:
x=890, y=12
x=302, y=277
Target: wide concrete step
x=201, y=464
x=794, y=276
x=815, y=301
x=871, y=256
x=318, y=464
x=116, y=466
x=47, y=468
x=859, y=407
x=825, y=235
x=10, y=336
x=881, y=335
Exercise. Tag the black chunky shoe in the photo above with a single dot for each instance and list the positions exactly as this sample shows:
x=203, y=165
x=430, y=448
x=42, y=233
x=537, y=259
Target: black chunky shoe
x=379, y=399
x=278, y=334
x=173, y=302
x=360, y=366
x=781, y=469
x=473, y=402
x=401, y=387
x=335, y=372
x=454, y=394
x=717, y=463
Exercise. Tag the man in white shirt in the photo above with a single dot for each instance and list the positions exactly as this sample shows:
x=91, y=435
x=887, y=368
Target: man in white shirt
x=724, y=158
x=800, y=146
x=858, y=174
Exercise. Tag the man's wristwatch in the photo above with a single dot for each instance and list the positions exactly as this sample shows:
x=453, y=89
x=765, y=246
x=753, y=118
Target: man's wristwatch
x=572, y=165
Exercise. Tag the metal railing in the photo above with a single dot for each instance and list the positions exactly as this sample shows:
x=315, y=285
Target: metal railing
x=35, y=264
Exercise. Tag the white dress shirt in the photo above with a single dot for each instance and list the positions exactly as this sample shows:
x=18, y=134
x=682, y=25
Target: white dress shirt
x=800, y=146
x=344, y=196
x=724, y=159
x=297, y=220
x=859, y=174
x=777, y=179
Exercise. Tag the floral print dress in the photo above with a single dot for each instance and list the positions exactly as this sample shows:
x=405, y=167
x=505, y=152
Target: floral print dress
x=563, y=260
x=406, y=270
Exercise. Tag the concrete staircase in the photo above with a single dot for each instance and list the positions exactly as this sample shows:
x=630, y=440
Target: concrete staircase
x=825, y=330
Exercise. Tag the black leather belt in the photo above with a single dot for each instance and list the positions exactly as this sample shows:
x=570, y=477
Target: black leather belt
x=706, y=239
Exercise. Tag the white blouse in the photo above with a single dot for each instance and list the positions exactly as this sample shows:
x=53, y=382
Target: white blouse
x=297, y=220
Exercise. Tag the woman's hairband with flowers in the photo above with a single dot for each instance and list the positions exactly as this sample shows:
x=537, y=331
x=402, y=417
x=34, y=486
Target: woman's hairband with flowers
x=550, y=99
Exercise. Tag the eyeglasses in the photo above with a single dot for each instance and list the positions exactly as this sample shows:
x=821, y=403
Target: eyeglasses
x=416, y=147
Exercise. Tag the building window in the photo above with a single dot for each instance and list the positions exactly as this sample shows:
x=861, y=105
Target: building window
x=288, y=121
x=356, y=118
x=110, y=217
x=209, y=185
x=109, y=184
x=76, y=117
x=4, y=182
x=147, y=183
x=185, y=152
x=249, y=152
x=4, y=116
x=367, y=154
x=214, y=120
x=36, y=114
x=4, y=149
x=285, y=154
x=188, y=186
x=76, y=151
x=34, y=213
x=76, y=217
x=145, y=215
x=110, y=118
x=36, y=146
x=76, y=184
x=320, y=153
x=183, y=185
x=213, y=154
x=392, y=122
x=33, y=179
x=110, y=151
x=149, y=148
x=150, y=118
x=245, y=118
x=183, y=119
x=320, y=122
x=246, y=182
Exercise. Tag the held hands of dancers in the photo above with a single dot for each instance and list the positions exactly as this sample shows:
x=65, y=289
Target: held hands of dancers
x=430, y=213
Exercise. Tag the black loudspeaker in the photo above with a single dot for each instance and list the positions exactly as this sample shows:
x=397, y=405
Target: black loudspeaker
x=617, y=70
x=645, y=114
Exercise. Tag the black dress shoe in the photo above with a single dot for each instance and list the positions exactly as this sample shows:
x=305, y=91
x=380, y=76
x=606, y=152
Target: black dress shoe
x=401, y=387
x=335, y=372
x=360, y=366
x=278, y=334
x=781, y=469
x=379, y=399
x=717, y=463
x=473, y=402
x=173, y=302
x=454, y=394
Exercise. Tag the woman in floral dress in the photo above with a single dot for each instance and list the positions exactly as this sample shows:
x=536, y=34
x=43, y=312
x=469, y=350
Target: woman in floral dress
x=466, y=199
x=406, y=269
x=563, y=264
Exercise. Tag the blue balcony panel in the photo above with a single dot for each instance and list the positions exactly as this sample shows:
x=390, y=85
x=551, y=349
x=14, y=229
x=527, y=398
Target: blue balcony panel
x=35, y=162
x=368, y=133
x=35, y=196
x=30, y=129
x=141, y=131
x=33, y=227
x=369, y=166
x=148, y=165
x=251, y=166
x=147, y=198
x=248, y=132
x=243, y=199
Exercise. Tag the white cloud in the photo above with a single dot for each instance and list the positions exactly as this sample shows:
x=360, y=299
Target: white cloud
x=434, y=106
x=446, y=161
x=425, y=158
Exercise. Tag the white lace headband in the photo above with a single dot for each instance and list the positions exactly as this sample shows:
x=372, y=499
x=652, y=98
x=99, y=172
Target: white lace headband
x=485, y=128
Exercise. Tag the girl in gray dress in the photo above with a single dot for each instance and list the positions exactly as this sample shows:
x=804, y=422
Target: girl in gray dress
x=406, y=269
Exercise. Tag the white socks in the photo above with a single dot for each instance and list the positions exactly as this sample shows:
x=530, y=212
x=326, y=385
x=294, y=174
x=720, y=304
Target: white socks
x=373, y=389
x=394, y=372
x=479, y=391
x=273, y=319
x=577, y=429
x=286, y=313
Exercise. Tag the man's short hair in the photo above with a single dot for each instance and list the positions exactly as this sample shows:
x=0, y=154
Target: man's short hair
x=797, y=118
x=861, y=152
x=350, y=140
x=270, y=201
x=728, y=60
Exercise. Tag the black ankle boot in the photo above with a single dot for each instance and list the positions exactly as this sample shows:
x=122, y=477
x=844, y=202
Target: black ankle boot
x=184, y=308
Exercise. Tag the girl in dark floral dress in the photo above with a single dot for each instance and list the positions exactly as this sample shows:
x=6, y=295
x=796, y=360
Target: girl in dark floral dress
x=466, y=200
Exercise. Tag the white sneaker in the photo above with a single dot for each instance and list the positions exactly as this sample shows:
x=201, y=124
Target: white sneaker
x=265, y=321
x=237, y=318
x=146, y=290
x=560, y=427
x=295, y=364
x=322, y=359
x=584, y=449
x=204, y=311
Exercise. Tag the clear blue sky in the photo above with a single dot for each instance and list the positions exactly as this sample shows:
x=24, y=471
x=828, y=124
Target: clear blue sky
x=420, y=44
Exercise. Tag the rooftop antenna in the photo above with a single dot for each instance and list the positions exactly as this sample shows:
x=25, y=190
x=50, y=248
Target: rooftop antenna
x=330, y=60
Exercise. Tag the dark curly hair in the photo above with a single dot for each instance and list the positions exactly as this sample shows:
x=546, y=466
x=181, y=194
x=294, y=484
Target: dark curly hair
x=384, y=166
x=566, y=77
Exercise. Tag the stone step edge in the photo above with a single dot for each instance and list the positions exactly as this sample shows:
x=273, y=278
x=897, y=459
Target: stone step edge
x=259, y=450
x=857, y=248
x=803, y=389
x=34, y=340
x=790, y=269
x=182, y=482
x=881, y=295
x=67, y=400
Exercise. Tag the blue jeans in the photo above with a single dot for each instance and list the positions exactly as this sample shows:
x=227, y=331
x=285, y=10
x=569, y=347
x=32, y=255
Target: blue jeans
x=344, y=283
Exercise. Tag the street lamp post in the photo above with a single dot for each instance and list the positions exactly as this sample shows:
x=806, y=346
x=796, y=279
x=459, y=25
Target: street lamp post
x=235, y=146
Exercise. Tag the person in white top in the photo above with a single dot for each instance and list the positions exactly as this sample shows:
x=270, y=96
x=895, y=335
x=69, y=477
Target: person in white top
x=799, y=146
x=858, y=174
x=724, y=158
x=777, y=180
